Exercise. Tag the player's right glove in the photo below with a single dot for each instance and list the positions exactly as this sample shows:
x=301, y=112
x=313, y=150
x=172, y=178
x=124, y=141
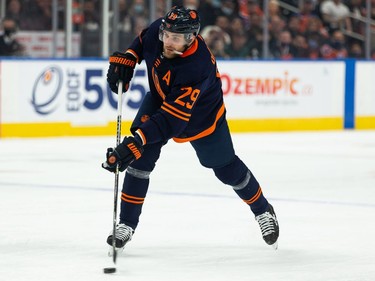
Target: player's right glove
x=124, y=154
x=121, y=67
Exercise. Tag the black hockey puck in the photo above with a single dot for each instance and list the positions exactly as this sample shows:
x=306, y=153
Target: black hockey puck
x=109, y=269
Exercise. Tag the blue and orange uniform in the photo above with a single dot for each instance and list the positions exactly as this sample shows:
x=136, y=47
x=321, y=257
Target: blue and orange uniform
x=185, y=103
x=187, y=89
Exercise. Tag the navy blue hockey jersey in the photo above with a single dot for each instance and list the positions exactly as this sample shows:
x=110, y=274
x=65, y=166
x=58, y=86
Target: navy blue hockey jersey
x=188, y=88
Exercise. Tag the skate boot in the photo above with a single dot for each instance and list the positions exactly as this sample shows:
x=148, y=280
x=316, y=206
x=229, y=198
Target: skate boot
x=269, y=226
x=124, y=234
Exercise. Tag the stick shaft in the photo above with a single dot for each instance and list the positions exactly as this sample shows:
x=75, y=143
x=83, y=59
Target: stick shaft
x=118, y=140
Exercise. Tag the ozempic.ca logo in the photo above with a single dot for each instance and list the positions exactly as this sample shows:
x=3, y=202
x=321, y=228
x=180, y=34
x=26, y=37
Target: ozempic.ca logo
x=46, y=89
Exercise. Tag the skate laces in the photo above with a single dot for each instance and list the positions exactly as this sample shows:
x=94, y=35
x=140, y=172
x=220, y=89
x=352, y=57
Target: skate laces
x=267, y=223
x=124, y=232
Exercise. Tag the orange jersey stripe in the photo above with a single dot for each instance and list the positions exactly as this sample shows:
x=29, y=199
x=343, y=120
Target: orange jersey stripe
x=142, y=135
x=176, y=110
x=174, y=114
x=133, y=53
x=157, y=84
x=206, y=132
x=157, y=63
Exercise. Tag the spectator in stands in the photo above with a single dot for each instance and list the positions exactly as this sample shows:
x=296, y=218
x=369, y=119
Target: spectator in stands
x=126, y=23
x=208, y=11
x=274, y=9
x=335, y=15
x=242, y=9
x=140, y=23
x=216, y=39
x=191, y=4
x=228, y=9
x=248, y=8
x=316, y=35
x=253, y=14
x=139, y=9
x=373, y=25
x=239, y=47
x=9, y=46
x=13, y=10
x=294, y=25
x=90, y=30
x=313, y=43
x=237, y=24
x=307, y=31
x=315, y=26
x=37, y=15
x=338, y=43
x=336, y=47
x=276, y=25
x=218, y=49
x=318, y=8
x=315, y=29
x=302, y=48
x=223, y=22
x=307, y=11
x=356, y=51
x=77, y=15
x=358, y=9
x=284, y=49
x=253, y=7
x=161, y=9
x=91, y=15
x=256, y=43
x=256, y=22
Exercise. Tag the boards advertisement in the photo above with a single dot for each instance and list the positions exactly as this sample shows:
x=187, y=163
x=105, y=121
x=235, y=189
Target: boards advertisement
x=71, y=97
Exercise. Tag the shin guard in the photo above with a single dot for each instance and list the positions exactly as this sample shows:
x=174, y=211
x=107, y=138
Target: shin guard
x=238, y=175
x=133, y=195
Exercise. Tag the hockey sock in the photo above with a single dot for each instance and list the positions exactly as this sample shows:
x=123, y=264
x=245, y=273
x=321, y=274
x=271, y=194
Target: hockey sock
x=251, y=193
x=133, y=195
x=238, y=175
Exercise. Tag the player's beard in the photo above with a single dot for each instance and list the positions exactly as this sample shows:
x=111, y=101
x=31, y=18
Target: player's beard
x=170, y=52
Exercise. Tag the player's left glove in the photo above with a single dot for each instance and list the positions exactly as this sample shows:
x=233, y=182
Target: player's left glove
x=124, y=154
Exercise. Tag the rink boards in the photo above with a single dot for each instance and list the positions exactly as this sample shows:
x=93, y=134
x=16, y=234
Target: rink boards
x=71, y=97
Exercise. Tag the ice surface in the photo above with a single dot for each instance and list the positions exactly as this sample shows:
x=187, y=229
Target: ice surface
x=56, y=205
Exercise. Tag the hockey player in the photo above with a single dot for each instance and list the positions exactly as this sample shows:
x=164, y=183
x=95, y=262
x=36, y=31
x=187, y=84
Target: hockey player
x=185, y=103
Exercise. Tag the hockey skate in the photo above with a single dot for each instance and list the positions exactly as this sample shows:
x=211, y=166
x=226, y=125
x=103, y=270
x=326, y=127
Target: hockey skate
x=269, y=226
x=124, y=234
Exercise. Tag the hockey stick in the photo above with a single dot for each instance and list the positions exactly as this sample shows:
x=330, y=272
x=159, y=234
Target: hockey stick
x=118, y=140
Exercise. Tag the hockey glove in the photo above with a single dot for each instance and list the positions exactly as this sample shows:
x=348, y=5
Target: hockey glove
x=125, y=153
x=121, y=67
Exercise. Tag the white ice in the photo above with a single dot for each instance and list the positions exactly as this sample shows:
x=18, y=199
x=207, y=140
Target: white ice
x=56, y=206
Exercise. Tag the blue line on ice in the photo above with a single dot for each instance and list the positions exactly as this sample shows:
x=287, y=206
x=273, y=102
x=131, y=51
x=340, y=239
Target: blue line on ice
x=320, y=202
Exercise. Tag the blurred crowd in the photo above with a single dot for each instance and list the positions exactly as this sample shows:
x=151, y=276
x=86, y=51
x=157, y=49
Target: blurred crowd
x=303, y=29
x=309, y=29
